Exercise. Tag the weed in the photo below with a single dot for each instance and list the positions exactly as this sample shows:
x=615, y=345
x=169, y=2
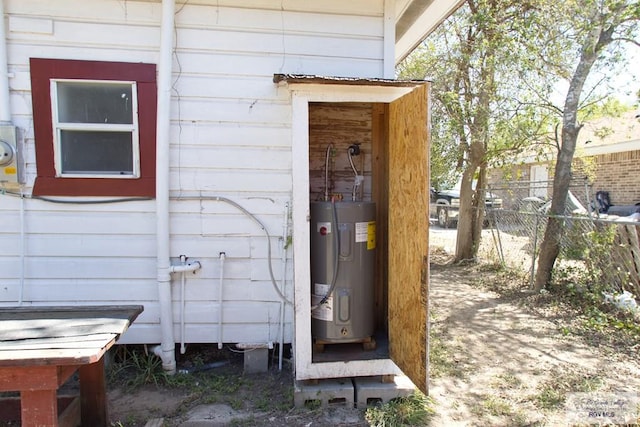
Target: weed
x=550, y=398
x=413, y=410
x=313, y=405
x=497, y=406
x=235, y=402
x=136, y=367
x=148, y=369
x=553, y=392
x=506, y=381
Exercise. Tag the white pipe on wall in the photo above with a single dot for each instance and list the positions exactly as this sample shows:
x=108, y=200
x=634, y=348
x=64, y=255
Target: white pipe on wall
x=183, y=347
x=285, y=244
x=23, y=258
x=186, y=268
x=220, y=296
x=5, y=117
x=183, y=269
x=5, y=104
x=167, y=345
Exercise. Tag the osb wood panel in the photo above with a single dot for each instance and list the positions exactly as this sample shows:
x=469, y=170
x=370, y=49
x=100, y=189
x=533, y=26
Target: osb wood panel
x=340, y=124
x=408, y=235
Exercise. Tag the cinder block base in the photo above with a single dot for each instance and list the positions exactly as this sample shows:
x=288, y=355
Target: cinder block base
x=325, y=392
x=256, y=360
x=372, y=391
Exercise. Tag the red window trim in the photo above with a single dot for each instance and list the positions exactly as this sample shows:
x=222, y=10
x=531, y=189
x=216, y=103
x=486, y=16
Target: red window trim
x=46, y=183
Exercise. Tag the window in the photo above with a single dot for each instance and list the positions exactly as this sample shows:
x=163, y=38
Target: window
x=95, y=127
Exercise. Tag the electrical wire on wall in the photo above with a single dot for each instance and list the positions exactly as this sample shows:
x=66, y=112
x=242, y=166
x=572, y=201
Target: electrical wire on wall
x=256, y=221
x=283, y=299
x=201, y=198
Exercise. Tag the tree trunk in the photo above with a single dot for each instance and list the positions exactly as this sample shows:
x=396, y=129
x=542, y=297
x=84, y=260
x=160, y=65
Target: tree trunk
x=465, y=245
x=550, y=247
x=598, y=38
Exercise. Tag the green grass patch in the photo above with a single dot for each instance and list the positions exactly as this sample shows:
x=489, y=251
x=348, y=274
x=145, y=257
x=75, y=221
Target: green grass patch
x=413, y=410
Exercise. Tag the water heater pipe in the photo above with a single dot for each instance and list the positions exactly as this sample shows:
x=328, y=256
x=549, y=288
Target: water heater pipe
x=326, y=172
x=354, y=150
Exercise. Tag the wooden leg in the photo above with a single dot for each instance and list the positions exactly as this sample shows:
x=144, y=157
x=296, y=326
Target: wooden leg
x=39, y=408
x=93, y=395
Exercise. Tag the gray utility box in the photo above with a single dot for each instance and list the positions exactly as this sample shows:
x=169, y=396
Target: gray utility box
x=8, y=154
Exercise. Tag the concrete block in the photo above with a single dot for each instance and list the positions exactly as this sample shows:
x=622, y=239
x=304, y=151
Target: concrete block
x=327, y=392
x=256, y=360
x=372, y=391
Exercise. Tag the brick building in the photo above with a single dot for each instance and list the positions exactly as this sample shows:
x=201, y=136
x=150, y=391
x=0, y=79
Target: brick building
x=607, y=158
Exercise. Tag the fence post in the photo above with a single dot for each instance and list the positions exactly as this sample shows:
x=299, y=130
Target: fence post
x=535, y=250
x=497, y=227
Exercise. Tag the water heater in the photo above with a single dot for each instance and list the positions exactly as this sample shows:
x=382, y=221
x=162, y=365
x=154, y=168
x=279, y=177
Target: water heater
x=343, y=241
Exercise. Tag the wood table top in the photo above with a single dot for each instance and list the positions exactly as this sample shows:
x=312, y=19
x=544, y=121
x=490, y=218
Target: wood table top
x=61, y=335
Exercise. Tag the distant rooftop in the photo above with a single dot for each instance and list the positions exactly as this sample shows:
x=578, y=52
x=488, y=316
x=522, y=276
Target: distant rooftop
x=610, y=130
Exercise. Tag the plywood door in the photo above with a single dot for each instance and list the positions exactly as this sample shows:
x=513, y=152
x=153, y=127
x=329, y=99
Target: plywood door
x=408, y=234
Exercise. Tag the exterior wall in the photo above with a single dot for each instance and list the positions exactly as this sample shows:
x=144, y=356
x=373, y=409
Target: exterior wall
x=511, y=185
x=618, y=173
x=230, y=137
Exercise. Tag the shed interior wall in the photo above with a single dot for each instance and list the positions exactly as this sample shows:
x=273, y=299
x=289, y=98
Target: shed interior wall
x=341, y=124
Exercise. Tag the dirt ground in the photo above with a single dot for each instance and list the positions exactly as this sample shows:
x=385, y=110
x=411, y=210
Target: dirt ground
x=510, y=359
x=497, y=358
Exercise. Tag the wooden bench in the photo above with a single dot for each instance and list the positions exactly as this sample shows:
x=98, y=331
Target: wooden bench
x=42, y=347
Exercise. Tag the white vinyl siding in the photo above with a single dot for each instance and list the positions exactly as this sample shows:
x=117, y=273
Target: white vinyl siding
x=230, y=136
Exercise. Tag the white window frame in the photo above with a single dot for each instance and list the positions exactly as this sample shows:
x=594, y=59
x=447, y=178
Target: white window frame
x=58, y=127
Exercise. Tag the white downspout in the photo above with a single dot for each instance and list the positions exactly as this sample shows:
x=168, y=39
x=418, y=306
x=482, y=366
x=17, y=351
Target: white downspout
x=167, y=345
x=5, y=118
x=389, y=40
x=5, y=105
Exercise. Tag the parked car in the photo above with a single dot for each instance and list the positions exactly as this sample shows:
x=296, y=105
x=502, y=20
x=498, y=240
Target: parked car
x=444, y=205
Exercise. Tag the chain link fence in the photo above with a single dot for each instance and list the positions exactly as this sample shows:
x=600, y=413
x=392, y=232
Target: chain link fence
x=606, y=250
x=603, y=249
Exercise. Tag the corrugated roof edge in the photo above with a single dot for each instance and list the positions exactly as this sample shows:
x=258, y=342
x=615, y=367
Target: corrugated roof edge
x=306, y=78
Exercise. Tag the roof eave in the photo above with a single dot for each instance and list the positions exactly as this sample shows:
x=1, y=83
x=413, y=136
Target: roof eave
x=419, y=20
